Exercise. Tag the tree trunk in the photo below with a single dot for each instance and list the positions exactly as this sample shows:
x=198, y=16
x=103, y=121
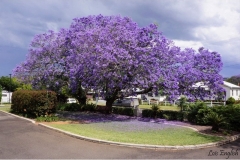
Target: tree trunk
x=110, y=100
x=82, y=100
x=80, y=95
x=109, y=103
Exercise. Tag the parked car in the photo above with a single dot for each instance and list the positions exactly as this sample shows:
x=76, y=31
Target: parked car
x=71, y=100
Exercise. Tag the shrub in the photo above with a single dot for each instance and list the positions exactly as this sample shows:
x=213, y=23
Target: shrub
x=89, y=107
x=215, y=120
x=230, y=101
x=101, y=109
x=73, y=107
x=166, y=114
x=61, y=106
x=34, y=103
x=47, y=119
x=194, y=116
x=171, y=115
x=183, y=103
x=237, y=102
x=226, y=117
x=155, y=108
x=231, y=114
x=62, y=98
x=146, y=113
x=123, y=111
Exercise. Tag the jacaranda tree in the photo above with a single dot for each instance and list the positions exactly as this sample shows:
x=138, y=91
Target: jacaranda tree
x=199, y=74
x=113, y=55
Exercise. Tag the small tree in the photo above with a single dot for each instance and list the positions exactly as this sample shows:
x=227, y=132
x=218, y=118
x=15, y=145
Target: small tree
x=215, y=120
x=183, y=103
x=9, y=84
x=155, y=108
x=230, y=101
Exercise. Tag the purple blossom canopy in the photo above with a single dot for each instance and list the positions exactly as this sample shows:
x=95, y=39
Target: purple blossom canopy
x=112, y=54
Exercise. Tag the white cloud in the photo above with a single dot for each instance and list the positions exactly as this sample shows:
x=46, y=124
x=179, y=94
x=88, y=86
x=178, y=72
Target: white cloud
x=188, y=44
x=52, y=26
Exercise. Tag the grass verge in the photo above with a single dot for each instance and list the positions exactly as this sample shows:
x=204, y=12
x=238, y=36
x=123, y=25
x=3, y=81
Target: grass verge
x=5, y=107
x=120, y=132
x=173, y=108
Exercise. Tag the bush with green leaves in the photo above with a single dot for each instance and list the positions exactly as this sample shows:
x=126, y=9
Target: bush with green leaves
x=227, y=117
x=197, y=112
x=171, y=115
x=73, y=107
x=155, y=108
x=231, y=114
x=215, y=120
x=166, y=114
x=146, y=113
x=230, y=101
x=183, y=103
x=123, y=111
x=35, y=103
x=89, y=107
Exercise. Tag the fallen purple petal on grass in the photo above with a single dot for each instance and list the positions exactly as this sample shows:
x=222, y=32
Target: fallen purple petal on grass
x=119, y=123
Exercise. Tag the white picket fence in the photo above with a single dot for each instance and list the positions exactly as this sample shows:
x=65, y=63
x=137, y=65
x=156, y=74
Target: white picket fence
x=165, y=103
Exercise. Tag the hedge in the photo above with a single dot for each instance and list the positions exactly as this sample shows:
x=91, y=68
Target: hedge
x=74, y=107
x=34, y=103
x=166, y=114
x=123, y=111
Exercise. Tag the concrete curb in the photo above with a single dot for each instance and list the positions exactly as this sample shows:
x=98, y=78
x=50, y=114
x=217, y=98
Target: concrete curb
x=156, y=147
x=19, y=117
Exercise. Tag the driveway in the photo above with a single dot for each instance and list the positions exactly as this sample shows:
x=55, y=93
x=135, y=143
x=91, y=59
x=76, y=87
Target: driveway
x=22, y=139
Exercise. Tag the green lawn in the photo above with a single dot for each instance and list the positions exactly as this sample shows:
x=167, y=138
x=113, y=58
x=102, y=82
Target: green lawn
x=148, y=135
x=174, y=108
x=5, y=107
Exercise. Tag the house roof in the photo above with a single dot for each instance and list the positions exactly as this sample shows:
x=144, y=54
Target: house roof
x=230, y=85
x=200, y=84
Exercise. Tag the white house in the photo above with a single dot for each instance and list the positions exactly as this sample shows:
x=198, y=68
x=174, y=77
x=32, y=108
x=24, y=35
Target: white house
x=6, y=97
x=232, y=90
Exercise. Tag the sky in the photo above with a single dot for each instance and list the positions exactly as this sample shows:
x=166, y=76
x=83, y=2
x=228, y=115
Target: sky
x=212, y=24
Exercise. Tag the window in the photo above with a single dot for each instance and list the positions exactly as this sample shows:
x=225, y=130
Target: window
x=236, y=92
x=232, y=92
x=4, y=95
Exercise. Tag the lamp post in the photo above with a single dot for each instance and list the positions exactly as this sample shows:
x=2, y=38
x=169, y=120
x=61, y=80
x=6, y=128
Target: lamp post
x=10, y=86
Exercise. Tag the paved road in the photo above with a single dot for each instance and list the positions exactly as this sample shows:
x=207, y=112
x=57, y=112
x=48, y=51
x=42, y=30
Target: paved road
x=22, y=139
